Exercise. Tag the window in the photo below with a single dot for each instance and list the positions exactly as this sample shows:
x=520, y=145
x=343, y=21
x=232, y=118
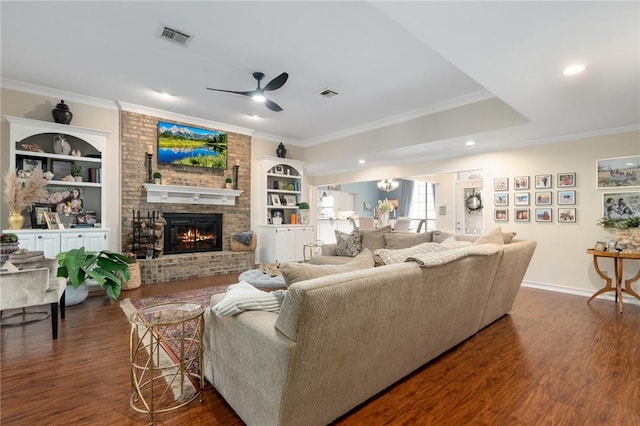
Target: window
x=423, y=205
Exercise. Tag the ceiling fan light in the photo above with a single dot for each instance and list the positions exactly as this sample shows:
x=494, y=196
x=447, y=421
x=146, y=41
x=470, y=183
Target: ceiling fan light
x=259, y=98
x=574, y=69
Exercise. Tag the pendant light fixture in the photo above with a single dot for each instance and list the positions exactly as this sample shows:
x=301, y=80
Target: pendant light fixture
x=388, y=185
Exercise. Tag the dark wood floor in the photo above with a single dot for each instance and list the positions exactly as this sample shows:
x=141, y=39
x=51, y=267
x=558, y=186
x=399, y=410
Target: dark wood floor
x=553, y=361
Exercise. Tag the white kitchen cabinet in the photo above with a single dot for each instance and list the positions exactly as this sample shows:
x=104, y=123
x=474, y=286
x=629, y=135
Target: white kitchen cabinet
x=283, y=243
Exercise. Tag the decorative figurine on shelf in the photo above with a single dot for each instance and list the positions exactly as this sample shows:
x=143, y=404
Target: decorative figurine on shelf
x=61, y=113
x=60, y=145
x=281, y=152
x=76, y=153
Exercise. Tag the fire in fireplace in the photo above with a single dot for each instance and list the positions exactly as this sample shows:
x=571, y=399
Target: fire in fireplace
x=192, y=232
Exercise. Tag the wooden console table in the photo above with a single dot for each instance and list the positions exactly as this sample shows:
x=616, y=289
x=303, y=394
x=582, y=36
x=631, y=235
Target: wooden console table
x=618, y=259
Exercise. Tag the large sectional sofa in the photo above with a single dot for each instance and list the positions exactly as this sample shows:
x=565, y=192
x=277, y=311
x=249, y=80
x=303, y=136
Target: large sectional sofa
x=339, y=339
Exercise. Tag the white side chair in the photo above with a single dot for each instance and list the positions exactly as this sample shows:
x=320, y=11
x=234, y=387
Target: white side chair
x=402, y=224
x=20, y=289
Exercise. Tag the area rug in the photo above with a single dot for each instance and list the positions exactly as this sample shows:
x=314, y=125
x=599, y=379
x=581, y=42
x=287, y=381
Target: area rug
x=199, y=296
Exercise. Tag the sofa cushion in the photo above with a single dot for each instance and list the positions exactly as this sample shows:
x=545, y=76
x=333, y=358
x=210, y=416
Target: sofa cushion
x=294, y=272
x=492, y=237
x=245, y=297
x=373, y=239
x=400, y=240
x=400, y=255
x=348, y=244
x=440, y=236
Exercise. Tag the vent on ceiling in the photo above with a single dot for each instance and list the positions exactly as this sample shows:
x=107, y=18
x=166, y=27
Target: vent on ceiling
x=175, y=35
x=327, y=93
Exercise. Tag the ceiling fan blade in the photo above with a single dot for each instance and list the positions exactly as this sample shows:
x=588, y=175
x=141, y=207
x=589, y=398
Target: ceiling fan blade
x=272, y=105
x=277, y=82
x=233, y=91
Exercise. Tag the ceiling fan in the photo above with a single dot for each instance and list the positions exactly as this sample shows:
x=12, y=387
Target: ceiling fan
x=258, y=94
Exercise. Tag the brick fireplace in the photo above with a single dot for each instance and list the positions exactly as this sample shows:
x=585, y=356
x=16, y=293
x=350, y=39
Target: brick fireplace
x=138, y=132
x=192, y=232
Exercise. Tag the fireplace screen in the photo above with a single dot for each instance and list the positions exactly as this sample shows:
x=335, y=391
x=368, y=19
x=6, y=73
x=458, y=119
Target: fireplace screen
x=192, y=232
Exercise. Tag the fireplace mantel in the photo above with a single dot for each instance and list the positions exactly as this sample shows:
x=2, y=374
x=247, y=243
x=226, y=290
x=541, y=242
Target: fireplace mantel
x=180, y=194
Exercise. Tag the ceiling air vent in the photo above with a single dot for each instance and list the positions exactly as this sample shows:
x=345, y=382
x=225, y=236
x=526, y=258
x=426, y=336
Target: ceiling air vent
x=327, y=93
x=175, y=35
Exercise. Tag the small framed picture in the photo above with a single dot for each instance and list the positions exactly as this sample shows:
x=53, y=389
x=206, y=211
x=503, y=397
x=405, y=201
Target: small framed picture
x=278, y=170
x=566, y=215
x=501, y=215
x=566, y=197
x=38, y=212
x=29, y=164
x=521, y=199
x=290, y=200
x=53, y=220
x=501, y=184
x=275, y=200
x=521, y=215
x=566, y=180
x=600, y=246
x=366, y=206
x=521, y=182
x=543, y=215
x=543, y=181
x=500, y=199
x=543, y=198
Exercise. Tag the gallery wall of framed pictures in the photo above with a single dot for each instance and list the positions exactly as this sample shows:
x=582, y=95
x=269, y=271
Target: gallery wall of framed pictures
x=619, y=180
x=533, y=198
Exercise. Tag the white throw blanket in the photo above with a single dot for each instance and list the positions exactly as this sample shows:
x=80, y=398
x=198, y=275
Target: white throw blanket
x=441, y=257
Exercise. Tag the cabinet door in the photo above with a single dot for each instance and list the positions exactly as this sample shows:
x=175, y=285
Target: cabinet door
x=303, y=236
x=285, y=245
x=49, y=244
x=71, y=241
x=95, y=241
x=27, y=241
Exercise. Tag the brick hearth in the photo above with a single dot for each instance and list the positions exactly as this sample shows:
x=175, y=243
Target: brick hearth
x=139, y=131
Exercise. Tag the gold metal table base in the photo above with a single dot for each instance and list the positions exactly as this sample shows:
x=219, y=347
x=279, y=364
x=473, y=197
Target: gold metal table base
x=161, y=382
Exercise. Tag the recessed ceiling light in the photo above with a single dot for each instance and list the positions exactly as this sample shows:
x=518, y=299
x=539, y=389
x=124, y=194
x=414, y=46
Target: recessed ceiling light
x=470, y=143
x=574, y=69
x=361, y=161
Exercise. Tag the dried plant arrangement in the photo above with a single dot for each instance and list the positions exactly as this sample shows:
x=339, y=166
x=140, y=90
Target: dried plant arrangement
x=20, y=194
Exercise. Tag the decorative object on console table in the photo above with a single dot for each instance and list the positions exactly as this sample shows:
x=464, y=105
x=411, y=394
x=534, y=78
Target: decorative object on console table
x=20, y=195
x=281, y=152
x=61, y=113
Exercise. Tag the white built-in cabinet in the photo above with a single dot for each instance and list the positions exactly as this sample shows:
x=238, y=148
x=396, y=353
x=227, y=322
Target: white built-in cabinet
x=277, y=189
x=31, y=144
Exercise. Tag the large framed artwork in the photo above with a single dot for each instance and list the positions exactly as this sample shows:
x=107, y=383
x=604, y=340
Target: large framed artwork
x=620, y=205
x=619, y=172
x=183, y=145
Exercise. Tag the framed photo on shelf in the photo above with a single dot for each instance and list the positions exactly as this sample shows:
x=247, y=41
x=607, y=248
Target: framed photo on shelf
x=290, y=200
x=566, y=180
x=566, y=215
x=500, y=199
x=600, y=246
x=543, y=215
x=275, y=200
x=501, y=184
x=619, y=172
x=501, y=215
x=38, y=211
x=543, y=181
x=566, y=197
x=521, y=215
x=53, y=220
x=521, y=199
x=543, y=198
x=279, y=170
x=521, y=182
x=29, y=164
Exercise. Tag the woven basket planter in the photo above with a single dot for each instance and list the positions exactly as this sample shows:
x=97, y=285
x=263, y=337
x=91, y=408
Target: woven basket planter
x=134, y=280
x=238, y=246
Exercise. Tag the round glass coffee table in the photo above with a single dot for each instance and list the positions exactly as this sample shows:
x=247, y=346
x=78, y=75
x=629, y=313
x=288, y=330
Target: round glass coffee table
x=167, y=369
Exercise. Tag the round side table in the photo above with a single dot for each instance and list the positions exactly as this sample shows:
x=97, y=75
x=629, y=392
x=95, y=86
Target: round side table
x=165, y=346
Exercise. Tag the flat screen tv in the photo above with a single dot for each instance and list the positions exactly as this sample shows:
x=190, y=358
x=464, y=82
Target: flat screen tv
x=190, y=146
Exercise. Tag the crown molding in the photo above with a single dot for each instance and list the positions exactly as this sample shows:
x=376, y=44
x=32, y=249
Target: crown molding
x=168, y=115
x=57, y=94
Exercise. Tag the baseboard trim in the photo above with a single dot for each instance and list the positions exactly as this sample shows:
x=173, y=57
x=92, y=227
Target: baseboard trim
x=579, y=292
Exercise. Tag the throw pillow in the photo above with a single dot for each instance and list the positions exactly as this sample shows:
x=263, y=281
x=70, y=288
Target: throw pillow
x=400, y=240
x=440, y=236
x=496, y=237
x=245, y=297
x=294, y=272
x=373, y=239
x=399, y=256
x=9, y=267
x=348, y=244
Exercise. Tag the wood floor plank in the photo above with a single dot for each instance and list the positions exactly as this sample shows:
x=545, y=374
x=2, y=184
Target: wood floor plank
x=553, y=361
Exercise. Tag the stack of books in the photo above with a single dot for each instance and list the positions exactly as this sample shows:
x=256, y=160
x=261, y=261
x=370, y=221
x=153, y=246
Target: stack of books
x=25, y=256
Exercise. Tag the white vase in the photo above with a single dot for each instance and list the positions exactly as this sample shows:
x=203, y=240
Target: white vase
x=60, y=145
x=73, y=296
x=384, y=219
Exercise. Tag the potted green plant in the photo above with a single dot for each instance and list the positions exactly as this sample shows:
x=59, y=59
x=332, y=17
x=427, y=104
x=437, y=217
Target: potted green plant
x=303, y=212
x=627, y=230
x=227, y=183
x=107, y=268
x=157, y=178
x=76, y=172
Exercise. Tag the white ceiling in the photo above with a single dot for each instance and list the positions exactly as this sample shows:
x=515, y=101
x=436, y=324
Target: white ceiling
x=490, y=71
